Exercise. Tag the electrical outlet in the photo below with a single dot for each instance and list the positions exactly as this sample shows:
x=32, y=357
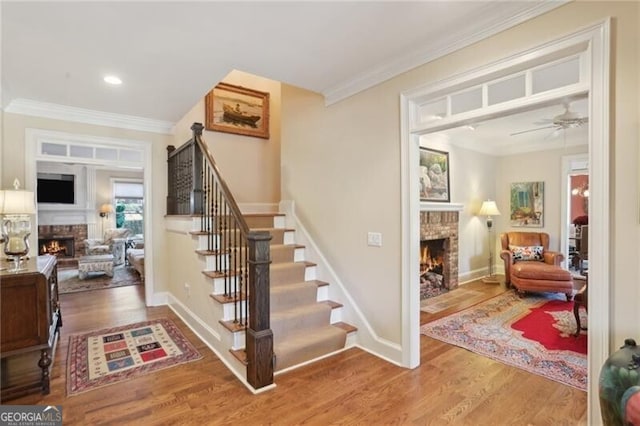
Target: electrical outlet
x=187, y=289
x=374, y=239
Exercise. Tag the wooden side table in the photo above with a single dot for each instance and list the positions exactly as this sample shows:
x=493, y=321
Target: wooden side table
x=581, y=299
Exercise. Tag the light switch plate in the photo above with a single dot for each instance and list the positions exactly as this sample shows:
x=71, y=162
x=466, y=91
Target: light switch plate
x=374, y=239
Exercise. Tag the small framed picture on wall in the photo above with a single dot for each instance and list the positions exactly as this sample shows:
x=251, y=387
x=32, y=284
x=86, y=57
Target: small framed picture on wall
x=434, y=175
x=527, y=204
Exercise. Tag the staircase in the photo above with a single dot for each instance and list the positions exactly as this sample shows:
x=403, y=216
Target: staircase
x=305, y=324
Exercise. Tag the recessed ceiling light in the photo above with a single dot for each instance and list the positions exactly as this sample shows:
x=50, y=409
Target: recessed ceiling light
x=112, y=79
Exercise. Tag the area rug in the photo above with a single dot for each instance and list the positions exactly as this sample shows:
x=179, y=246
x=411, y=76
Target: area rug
x=532, y=333
x=69, y=282
x=437, y=304
x=111, y=355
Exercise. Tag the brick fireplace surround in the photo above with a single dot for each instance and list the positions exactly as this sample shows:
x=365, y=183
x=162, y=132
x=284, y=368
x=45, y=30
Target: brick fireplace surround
x=443, y=224
x=78, y=232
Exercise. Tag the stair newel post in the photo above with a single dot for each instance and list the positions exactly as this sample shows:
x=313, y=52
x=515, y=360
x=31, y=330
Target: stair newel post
x=171, y=178
x=259, y=337
x=195, y=197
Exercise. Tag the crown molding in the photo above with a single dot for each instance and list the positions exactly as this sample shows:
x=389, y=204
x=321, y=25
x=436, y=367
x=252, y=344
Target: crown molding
x=432, y=52
x=87, y=116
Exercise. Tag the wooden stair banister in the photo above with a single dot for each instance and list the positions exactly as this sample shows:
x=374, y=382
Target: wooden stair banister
x=243, y=255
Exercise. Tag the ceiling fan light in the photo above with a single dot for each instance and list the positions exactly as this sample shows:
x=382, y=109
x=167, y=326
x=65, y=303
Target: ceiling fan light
x=112, y=79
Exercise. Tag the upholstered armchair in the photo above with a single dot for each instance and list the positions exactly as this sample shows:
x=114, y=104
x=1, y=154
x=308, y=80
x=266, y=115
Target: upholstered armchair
x=113, y=242
x=529, y=265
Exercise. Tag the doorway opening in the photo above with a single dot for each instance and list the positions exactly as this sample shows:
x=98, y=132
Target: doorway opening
x=420, y=116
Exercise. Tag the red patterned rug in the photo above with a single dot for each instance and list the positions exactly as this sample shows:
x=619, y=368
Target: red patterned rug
x=533, y=333
x=111, y=355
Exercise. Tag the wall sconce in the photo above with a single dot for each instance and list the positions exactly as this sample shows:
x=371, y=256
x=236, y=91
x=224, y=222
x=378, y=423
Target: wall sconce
x=16, y=206
x=106, y=210
x=489, y=209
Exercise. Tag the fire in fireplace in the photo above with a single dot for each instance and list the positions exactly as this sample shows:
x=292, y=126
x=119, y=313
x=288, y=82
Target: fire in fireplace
x=57, y=246
x=432, y=259
x=432, y=256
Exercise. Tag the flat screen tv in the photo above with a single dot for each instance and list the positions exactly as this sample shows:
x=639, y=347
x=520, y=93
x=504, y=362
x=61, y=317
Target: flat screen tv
x=54, y=188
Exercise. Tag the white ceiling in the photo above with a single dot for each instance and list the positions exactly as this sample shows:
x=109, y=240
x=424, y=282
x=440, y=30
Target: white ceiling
x=170, y=54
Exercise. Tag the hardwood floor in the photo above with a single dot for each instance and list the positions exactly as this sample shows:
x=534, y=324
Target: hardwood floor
x=452, y=385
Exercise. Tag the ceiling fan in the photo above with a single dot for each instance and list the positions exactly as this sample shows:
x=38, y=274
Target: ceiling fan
x=567, y=120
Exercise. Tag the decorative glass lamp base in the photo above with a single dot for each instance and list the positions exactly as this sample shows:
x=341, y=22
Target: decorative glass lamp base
x=17, y=263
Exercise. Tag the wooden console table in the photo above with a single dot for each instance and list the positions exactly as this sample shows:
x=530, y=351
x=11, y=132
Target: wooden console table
x=30, y=322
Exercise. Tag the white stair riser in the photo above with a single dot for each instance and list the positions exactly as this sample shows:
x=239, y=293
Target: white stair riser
x=310, y=273
x=336, y=315
x=203, y=241
x=298, y=255
x=289, y=237
x=234, y=340
x=352, y=339
x=279, y=222
x=213, y=260
x=323, y=293
x=229, y=311
x=218, y=284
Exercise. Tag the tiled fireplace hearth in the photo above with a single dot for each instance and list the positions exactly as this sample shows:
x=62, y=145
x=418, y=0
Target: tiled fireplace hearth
x=443, y=226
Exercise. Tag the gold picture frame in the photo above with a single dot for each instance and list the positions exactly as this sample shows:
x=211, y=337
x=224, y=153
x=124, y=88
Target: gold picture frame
x=238, y=110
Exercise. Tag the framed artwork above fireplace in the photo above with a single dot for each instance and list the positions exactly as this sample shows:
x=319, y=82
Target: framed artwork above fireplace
x=434, y=175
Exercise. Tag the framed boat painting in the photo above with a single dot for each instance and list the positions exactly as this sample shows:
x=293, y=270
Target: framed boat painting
x=434, y=175
x=236, y=109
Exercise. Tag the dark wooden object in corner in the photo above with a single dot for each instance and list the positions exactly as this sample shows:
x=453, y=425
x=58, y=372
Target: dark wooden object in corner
x=30, y=320
x=259, y=337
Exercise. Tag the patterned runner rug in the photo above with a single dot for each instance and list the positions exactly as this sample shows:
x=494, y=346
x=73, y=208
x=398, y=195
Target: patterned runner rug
x=69, y=282
x=533, y=333
x=109, y=356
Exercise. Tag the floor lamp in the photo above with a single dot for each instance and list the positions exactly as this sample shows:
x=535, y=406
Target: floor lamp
x=490, y=209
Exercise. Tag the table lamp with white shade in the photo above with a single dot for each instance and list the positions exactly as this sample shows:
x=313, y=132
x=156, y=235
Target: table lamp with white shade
x=16, y=207
x=489, y=209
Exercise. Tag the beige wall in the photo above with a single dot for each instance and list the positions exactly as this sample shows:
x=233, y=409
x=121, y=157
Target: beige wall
x=13, y=165
x=250, y=165
x=543, y=166
x=341, y=164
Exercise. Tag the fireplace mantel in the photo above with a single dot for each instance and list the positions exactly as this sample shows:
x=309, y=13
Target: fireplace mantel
x=426, y=206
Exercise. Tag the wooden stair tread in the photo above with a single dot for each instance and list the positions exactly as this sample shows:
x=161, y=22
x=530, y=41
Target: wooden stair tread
x=346, y=327
x=331, y=304
x=221, y=298
x=240, y=354
x=234, y=326
x=273, y=229
x=210, y=252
